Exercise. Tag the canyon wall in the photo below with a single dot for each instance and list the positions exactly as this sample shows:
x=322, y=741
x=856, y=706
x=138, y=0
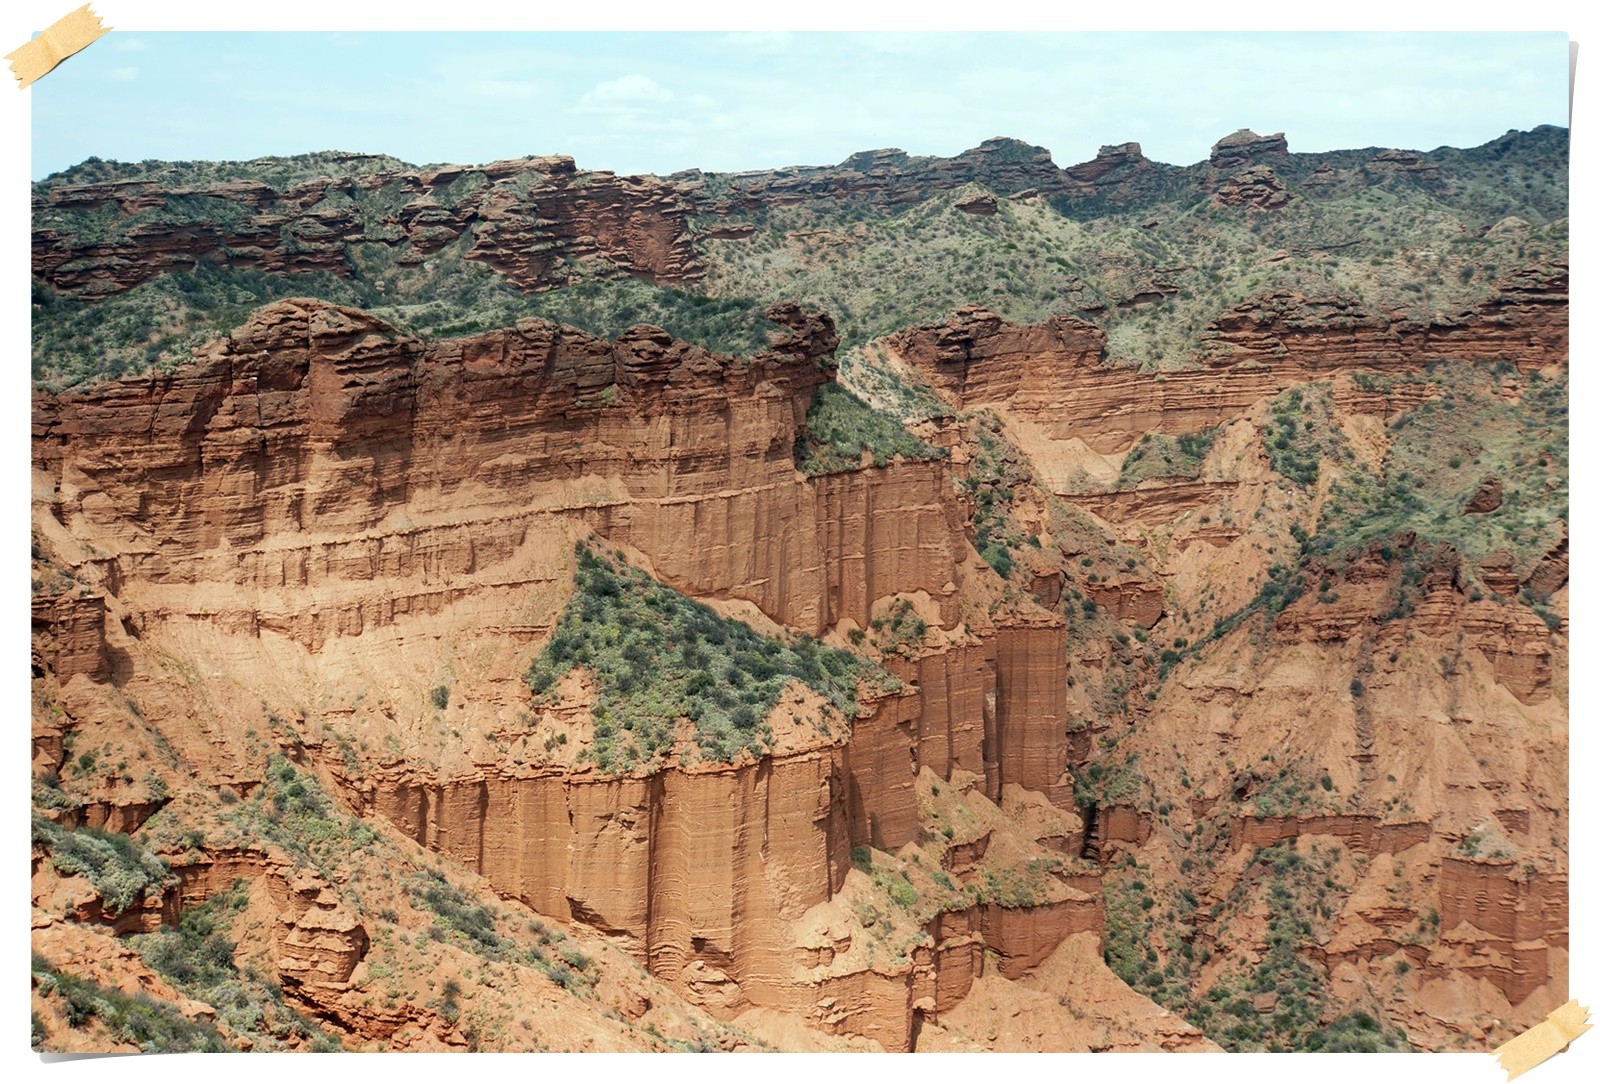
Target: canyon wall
x=280, y=457
x=1055, y=374
x=531, y=220
x=318, y=484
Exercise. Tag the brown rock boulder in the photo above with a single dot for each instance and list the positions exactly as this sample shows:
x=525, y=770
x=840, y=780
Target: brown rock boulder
x=1486, y=498
x=1257, y=187
x=1109, y=160
x=1245, y=148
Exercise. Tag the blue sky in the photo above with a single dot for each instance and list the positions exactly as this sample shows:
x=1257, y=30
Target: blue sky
x=636, y=102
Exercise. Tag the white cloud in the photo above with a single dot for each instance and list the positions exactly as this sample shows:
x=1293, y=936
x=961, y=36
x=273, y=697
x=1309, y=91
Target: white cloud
x=131, y=45
x=122, y=75
x=629, y=90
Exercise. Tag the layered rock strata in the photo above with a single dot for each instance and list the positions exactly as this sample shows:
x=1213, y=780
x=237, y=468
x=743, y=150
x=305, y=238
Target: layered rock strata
x=531, y=220
x=1056, y=374
x=250, y=502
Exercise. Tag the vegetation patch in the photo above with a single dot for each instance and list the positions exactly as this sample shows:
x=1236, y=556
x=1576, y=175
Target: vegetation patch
x=841, y=431
x=291, y=810
x=899, y=632
x=1277, y=1003
x=1293, y=444
x=123, y=872
x=1438, y=455
x=463, y=921
x=155, y=1027
x=1098, y=785
x=658, y=657
x=159, y=323
x=991, y=479
x=1160, y=456
x=197, y=959
x=1017, y=886
x=1291, y=791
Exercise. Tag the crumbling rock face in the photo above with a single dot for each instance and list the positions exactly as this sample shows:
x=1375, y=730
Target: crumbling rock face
x=1513, y=639
x=1256, y=187
x=632, y=856
x=1031, y=711
x=1158, y=500
x=1363, y=834
x=321, y=940
x=1526, y=324
x=889, y=178
x=71, y=629
x=313, y=421
x=527, y=219
x=1504, y=920
x=1550, y=574
x=1486, y=498
x=1408, y=164
x=1244, y=148
x=703, y=873
x=1056, y=374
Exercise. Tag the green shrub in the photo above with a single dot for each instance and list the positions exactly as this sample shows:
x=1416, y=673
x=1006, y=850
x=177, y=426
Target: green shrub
x=461, y=920
x=197, y=959
x=155, y=1027
x=1294, y=452
x=1160, y=456
x=291, y=810
x=840, y=430
x=459, y=917
x=120, y=870
x=658, y=656
x=998, y=558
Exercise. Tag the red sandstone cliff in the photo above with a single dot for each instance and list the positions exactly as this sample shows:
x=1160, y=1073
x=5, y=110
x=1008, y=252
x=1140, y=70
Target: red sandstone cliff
x=329, y=504
x=322, y=518
x=1056, y=375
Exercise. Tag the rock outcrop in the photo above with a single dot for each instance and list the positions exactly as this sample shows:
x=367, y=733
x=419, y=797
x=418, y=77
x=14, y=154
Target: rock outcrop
x=1256, y=187
x=1486, y=498
x=1056, y=374
x=890, y=178
x=250, y=500
x=1244, y=148
x=529, y=219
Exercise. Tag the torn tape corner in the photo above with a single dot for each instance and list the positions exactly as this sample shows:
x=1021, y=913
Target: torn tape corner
x=1544, y=1040
x=69, y=34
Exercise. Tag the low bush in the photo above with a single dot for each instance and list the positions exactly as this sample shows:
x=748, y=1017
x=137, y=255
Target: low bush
x=155, y=1027
x=123, y=872
x=658, y=656
x=841, y=430
x=196, y=957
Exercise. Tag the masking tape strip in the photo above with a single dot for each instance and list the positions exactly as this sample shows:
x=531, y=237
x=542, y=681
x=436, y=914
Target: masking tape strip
x=1545, y=1039
x=67, y=35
